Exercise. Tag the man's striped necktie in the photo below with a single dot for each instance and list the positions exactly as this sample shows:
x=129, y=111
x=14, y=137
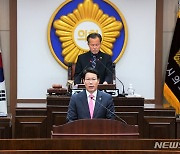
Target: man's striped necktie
x=93, y=63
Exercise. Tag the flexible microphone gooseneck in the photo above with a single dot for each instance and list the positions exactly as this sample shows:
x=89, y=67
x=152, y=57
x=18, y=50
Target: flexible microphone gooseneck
x=123, y=90
x=122, y=120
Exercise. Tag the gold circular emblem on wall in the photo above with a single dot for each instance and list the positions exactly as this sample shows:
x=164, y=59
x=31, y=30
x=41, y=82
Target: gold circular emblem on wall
x=71, y=29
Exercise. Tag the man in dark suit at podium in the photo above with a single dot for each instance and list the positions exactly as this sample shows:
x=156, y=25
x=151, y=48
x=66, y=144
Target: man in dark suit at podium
x=96, y=59
x=90, y=103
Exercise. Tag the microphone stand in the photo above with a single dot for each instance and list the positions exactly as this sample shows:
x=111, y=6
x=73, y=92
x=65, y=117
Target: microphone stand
x=122, y=120
x=123, y=90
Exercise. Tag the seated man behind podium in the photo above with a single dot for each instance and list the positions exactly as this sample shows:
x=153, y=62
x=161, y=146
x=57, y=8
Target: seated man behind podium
x=102, y=62
x=90, y=103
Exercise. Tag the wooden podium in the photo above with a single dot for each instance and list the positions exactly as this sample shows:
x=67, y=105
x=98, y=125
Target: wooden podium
x=95, y=128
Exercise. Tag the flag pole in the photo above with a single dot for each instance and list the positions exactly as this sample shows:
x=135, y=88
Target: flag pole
x=3, y=100
x=178, y=9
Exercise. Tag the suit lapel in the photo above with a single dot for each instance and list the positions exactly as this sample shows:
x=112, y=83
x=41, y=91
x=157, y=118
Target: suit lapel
x=84, y=103
x=98, y=64
x=88, y=59
x=97, y=104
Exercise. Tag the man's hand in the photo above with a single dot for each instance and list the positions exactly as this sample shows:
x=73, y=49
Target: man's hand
x=105, y=82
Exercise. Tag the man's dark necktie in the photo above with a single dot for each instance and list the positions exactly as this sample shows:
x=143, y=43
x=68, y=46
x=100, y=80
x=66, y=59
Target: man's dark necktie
x=93, y=63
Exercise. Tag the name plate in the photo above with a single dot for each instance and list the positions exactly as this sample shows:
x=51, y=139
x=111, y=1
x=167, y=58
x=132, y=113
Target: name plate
x=100, y=86
x=112, y=92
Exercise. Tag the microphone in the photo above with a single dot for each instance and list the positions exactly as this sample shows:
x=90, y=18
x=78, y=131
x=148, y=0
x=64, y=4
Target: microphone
x=122, y=120
x=123, y=90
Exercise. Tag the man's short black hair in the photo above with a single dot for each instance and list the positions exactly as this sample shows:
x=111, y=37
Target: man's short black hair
x=94, y=35
x=90, y=70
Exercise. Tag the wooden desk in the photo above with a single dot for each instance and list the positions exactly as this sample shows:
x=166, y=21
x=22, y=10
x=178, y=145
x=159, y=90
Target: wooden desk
x=30, y=120
x=153, y=121
x=6, y=127
x=159, y=122
x=94, y=146
x=178, y=127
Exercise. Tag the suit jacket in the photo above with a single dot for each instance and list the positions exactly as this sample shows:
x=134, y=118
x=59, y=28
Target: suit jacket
x=79, y=108
x=103, y=66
